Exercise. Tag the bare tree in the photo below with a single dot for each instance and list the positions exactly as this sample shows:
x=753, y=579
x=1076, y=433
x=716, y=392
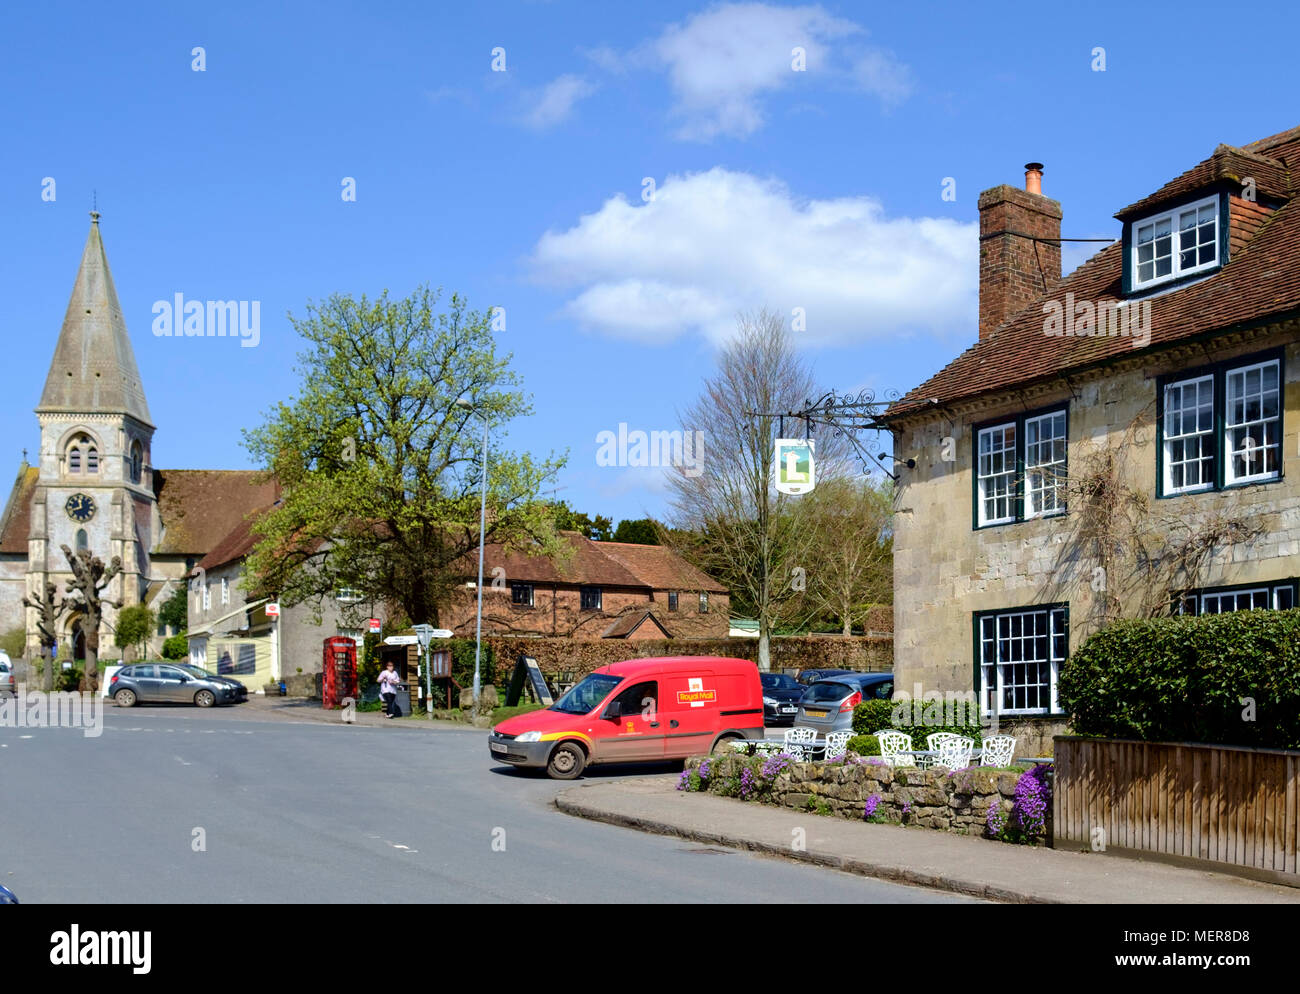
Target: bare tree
x=851, y=566
x=89, y=578
x=47, y=624
x=745, y=534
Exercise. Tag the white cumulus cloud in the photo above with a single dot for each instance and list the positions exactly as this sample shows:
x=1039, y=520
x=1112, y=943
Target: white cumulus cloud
x=715, y=243
x=555, y=102
x=723, y=61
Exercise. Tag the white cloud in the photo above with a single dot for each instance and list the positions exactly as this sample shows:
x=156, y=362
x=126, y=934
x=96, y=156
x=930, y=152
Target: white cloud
x=556, y=101
x=880, y=73
x=713, y=244
x=723, y=61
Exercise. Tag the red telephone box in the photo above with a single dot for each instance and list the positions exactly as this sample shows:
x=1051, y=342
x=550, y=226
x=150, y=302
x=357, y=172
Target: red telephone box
x=339, y=671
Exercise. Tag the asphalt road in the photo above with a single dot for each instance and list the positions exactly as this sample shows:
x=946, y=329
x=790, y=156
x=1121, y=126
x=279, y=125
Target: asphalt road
x=301, y=811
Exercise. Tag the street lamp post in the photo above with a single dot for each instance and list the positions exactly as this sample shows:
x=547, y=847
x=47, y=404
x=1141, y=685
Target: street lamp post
x=482, y=519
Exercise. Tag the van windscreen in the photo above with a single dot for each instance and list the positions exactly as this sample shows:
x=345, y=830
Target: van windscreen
x=587, y=694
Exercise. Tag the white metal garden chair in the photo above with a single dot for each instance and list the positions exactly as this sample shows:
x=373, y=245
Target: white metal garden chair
x=835, y=743
x=998, y=750
x=955, y=753
x=896, y=748
x=934, y=742
x=799, y=742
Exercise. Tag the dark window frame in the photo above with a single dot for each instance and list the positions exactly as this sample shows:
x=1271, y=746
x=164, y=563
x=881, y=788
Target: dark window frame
x=586, y=596
x=977, y=618
x=1219, y=372
x=515, y=595
x=1128, y=287
x=1291, y=584
x=1018, y=499
x=672, y=601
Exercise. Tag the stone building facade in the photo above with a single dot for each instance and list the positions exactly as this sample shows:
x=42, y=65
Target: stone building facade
x=1175, y=382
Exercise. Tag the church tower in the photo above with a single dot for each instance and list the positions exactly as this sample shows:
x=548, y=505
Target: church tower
x=95, y=487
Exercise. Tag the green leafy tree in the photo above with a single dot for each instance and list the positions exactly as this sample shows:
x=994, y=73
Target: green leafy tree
x=380, y=468
x=176, y=647
x=134, y=625
x=174, y=611
x=569, y=520
x=640, y=531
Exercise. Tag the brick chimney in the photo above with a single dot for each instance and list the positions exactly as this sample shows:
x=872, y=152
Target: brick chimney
x=1014, y=269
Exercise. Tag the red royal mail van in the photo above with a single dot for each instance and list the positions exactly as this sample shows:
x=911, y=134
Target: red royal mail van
x=637, y=711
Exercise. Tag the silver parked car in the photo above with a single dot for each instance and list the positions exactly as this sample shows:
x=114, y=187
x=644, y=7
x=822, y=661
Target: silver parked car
x=7, y=682
x=827, y=705
x=176, y=683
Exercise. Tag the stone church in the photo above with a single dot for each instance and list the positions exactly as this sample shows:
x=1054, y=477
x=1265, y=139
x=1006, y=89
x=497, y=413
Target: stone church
x=94, y=485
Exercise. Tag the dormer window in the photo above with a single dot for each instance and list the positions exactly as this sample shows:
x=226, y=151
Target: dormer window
x=1175, y=244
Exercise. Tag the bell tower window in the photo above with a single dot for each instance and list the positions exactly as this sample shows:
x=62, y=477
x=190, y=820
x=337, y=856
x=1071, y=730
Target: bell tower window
x=83, y=455
x=137, y=461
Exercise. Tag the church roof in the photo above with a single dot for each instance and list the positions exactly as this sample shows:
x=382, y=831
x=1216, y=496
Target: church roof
x=200, y=507
x=94, y=366
x=17, y=520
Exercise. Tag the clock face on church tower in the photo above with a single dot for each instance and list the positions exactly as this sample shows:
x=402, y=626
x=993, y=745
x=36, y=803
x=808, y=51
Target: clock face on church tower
x=80, y=507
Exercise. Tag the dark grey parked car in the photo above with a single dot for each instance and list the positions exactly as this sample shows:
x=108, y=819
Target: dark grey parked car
x=173, y=683
x=827, y=705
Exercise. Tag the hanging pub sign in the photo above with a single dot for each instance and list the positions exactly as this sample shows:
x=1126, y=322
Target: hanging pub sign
x=794, y=465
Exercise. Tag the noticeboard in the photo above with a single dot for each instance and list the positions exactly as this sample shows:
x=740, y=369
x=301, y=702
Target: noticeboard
x=526, y=669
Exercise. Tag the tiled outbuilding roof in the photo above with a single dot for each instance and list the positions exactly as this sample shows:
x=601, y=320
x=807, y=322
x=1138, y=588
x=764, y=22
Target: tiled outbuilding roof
x=16, y=524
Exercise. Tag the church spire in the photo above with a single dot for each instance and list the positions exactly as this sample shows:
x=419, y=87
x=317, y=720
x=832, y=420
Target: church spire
x=94, y=370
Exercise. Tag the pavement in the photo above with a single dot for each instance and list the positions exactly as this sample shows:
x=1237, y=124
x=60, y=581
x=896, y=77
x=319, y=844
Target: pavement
x=980, y=868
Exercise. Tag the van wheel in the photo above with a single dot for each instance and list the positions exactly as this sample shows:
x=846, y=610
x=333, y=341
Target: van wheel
x=567, y=762
x=723, y=746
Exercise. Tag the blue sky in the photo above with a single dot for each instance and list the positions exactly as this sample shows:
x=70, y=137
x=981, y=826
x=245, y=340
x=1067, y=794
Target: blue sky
x=525, y=188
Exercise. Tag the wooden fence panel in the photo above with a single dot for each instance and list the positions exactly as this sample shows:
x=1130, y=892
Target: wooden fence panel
x=1221, y=804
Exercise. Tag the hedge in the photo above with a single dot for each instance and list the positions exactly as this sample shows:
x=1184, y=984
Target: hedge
x=871, y=717
x=1226, y=679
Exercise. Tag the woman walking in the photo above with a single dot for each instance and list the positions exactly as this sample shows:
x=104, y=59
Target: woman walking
x=389, y=681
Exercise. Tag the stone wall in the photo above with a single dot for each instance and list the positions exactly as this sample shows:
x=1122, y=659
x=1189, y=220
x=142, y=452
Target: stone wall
x=955, y=801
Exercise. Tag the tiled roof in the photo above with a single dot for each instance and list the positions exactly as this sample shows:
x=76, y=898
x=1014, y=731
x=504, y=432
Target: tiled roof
x=1226, y=165
x=659, y=567
x=1261, y=281
x=625, y=624
x=201, y=507
x=16, y=524
x=236, y=544
x=587, y=565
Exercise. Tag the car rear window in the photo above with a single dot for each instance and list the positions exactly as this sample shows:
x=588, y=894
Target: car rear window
x=827, y=691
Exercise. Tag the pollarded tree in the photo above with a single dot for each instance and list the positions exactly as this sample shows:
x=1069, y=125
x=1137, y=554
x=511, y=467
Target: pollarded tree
x=378, y=465
x=89, y=579
x=47, y=624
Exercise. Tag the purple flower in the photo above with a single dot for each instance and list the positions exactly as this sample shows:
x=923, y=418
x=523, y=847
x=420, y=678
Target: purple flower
x=684, y=781
x=1029, y=809
x=748, y=784
x=995, y=820
x=704, y=770
x=775, y=765
x=873, y=802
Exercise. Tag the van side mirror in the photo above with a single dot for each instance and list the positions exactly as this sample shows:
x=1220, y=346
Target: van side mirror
x=612, y=712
